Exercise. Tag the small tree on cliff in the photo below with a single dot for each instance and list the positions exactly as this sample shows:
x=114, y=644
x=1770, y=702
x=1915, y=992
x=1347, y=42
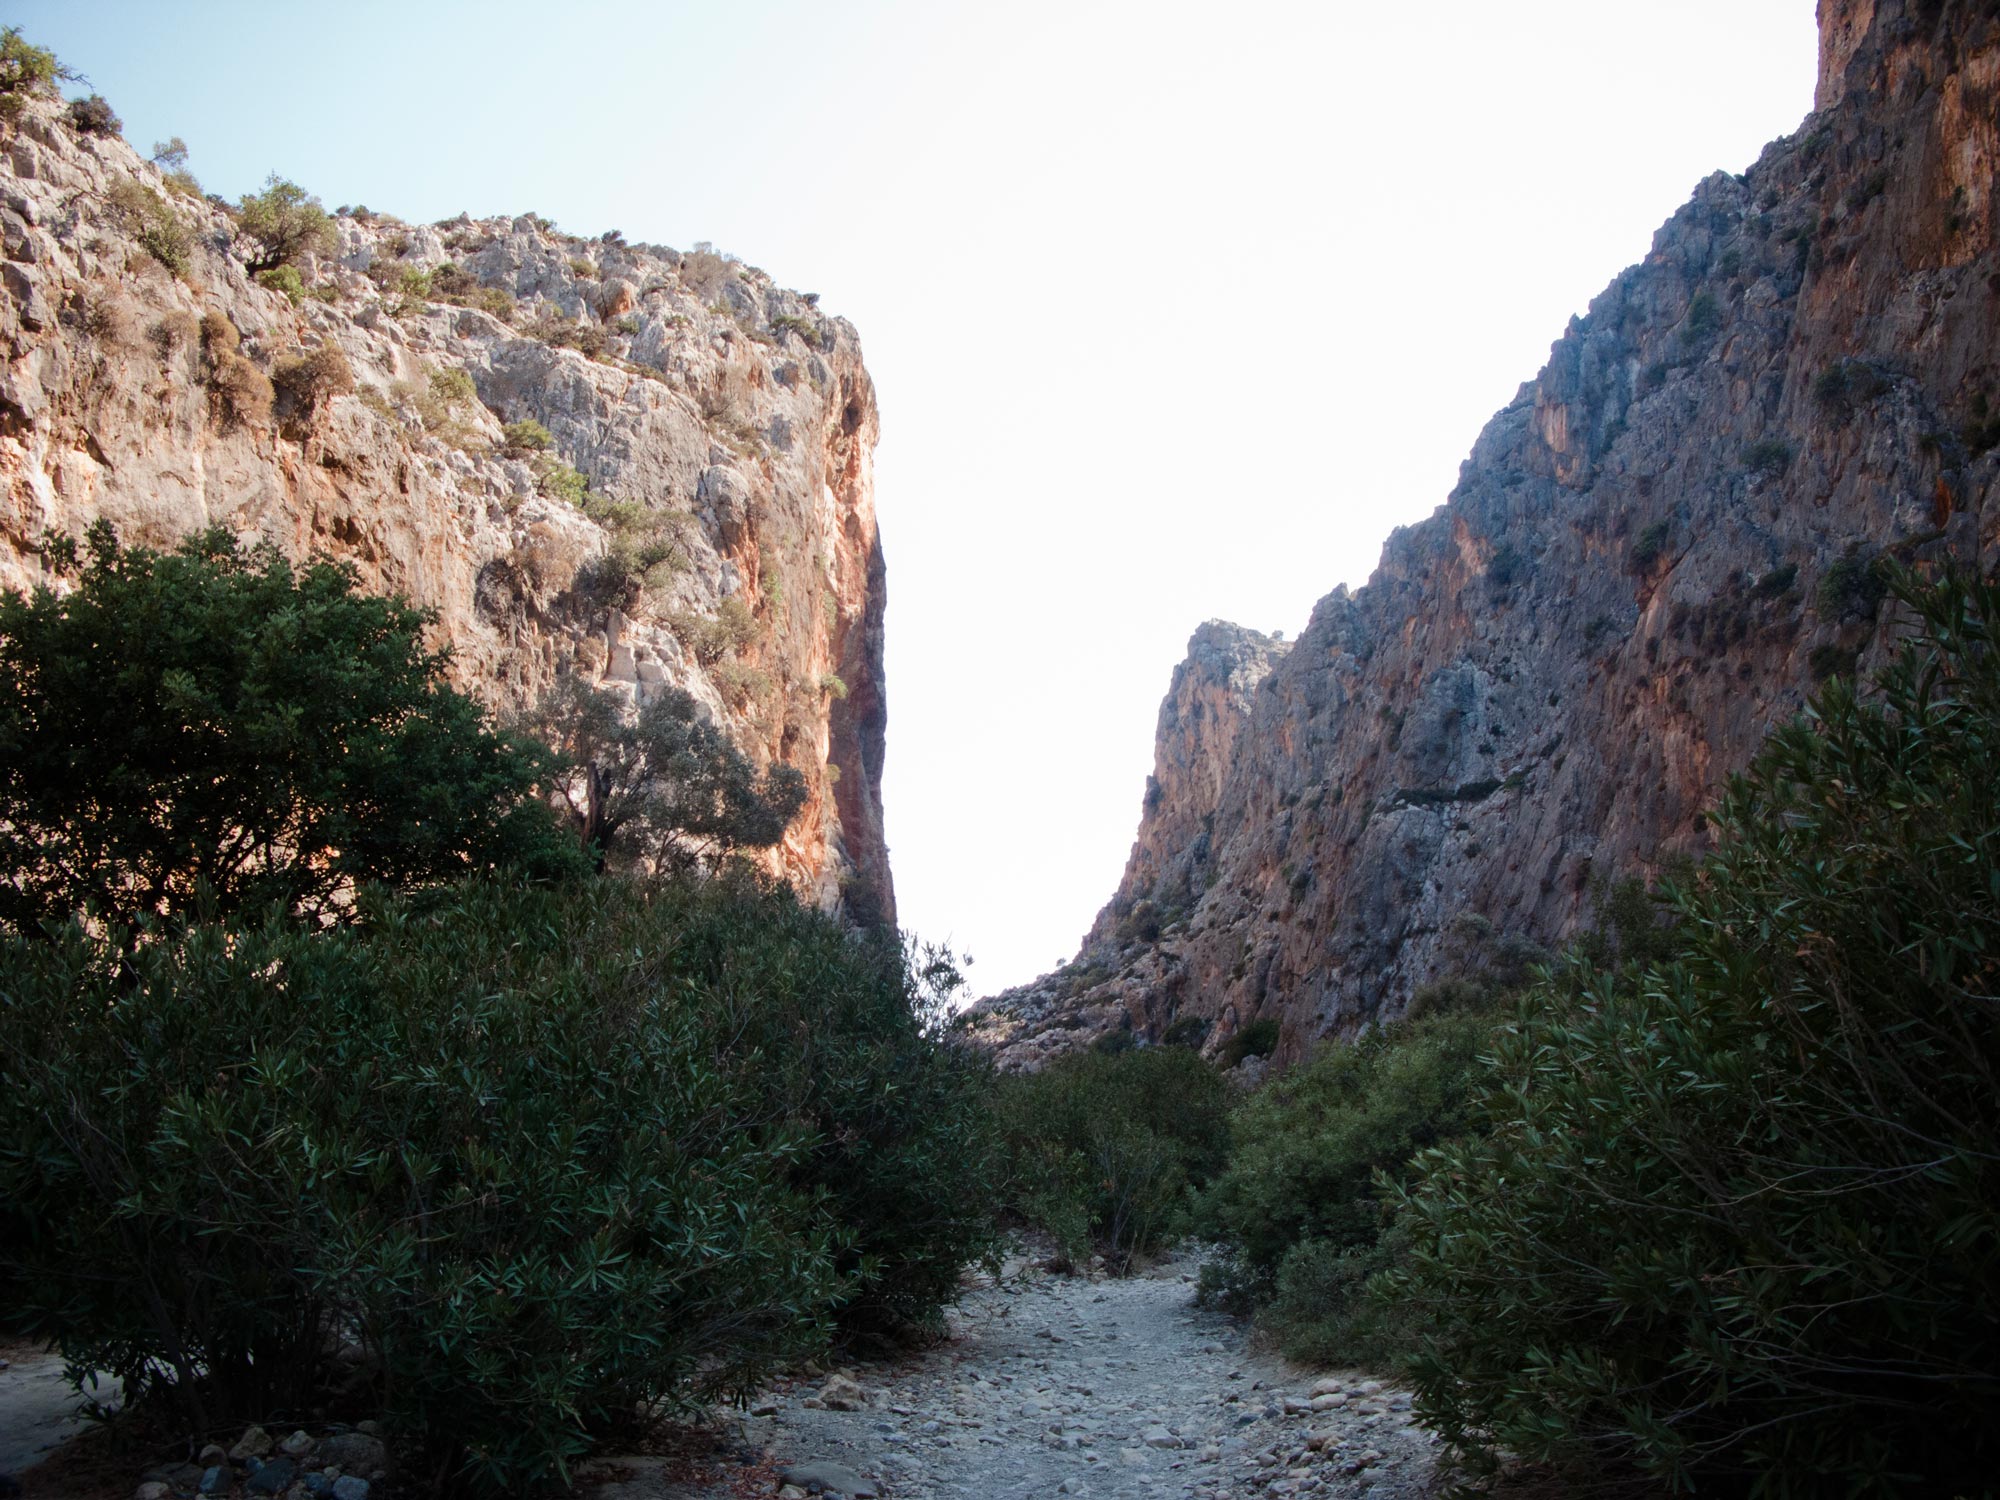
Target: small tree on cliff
x=204, y=732
x=664, y=785
x=286, y=222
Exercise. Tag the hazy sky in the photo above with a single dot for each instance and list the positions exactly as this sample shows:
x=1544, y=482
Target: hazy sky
x=1174, y=310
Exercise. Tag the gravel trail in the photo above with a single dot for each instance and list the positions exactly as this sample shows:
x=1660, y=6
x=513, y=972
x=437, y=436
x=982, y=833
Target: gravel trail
x=1109, y=1389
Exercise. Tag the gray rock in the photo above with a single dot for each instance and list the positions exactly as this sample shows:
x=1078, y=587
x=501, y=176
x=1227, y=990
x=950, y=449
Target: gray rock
x=354, y=1453
x=350, y=1487
x=254, y=1443
x=273, y=1477
x=826, y=1478
x=843, y=1393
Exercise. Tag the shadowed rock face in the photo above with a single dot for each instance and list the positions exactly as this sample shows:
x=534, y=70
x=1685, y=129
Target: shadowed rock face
x=728, y=422
x=1652, y=553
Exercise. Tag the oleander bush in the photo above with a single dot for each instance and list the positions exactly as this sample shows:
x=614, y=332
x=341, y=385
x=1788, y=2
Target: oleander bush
x=505, y=1164
x=1299, y=1209
x=1735, y=1218
x=1104, y=1149
x=205, y=732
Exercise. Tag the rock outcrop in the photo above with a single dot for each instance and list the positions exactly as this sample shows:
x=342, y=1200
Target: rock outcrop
x=1652, y=554
x=725, y=542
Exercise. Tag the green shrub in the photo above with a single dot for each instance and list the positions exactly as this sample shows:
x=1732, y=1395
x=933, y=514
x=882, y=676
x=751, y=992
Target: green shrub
x=1259, y=1038
x=1846, y=385
x=1651, y=546
x=713, y=637
x=200, y=732
x=1106, y=1147
x=545, y=1157
x=1323, y=1309
x=805, y=328
x=1735, y=1220
x=1852, y=585
x=1308, y=1151
x=447, y=403
x=151, y=220
x=94, y=116
x=526, y=436
x=284, y=280
x=1704, y=317
x=1767, y=456
x=559, y=481
x=1778, y=582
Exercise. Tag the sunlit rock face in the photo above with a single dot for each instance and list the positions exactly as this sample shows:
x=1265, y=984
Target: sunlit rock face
x=726, y=428
x=1651, y=555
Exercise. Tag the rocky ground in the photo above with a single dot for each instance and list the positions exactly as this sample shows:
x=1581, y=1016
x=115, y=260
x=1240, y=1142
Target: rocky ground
x=1052, y=1386
x=1116, y=1389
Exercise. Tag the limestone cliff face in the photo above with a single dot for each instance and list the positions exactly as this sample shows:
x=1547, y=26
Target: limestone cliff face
x=1652, y=553
x=1204, y=714
x=725, y=427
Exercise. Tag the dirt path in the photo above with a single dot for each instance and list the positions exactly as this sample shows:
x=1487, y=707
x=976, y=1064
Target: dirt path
x=1110, y=1389
x=37, y=1407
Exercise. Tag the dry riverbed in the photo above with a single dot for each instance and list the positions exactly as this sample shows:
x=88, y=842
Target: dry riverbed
x=1072, y=1386
x=1048, y=1386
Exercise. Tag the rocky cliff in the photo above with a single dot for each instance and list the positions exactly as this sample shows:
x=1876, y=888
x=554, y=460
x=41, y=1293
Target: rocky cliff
x=696, y=509
x=1651, y=555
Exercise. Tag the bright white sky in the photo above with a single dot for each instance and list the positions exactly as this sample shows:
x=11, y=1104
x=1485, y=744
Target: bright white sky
x=1175, y=310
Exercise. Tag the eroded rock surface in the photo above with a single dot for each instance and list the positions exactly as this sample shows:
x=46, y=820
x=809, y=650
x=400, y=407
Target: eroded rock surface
x=1652, y=554
x=725, y=425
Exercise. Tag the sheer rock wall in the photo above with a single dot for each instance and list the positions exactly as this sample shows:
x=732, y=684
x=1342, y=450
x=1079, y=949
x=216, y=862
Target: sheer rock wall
x=1651, y=555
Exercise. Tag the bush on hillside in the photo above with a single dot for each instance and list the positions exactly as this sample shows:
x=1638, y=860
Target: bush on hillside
x=1735, y=1222
x=504, y=1166
x=204, y=732
x=1258, y=1038
x=93, y=116
x=286, y=224
x=308, y=381
x=1104, y=1147
x=151, y=220
x=26, y=72
x=284, y=280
